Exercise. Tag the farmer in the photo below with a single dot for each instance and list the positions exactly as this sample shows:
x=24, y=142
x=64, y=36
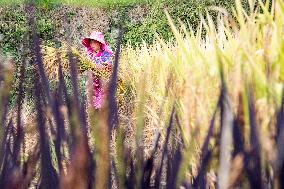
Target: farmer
x=100, y=54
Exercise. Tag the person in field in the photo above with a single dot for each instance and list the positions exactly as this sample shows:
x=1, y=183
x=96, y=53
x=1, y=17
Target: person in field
x=100, y=54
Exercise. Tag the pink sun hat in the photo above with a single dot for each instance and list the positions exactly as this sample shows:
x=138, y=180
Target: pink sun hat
x=98, y=36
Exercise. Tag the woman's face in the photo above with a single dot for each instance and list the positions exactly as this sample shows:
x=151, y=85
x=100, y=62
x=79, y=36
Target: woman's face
x=96, y=46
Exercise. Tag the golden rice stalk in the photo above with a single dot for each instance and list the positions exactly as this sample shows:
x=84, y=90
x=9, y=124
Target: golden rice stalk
x=52, y=57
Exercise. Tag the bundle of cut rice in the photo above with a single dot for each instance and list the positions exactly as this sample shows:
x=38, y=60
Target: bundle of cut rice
x=52, y=57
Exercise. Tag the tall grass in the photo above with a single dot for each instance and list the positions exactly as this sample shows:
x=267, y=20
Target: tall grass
x=197, y=112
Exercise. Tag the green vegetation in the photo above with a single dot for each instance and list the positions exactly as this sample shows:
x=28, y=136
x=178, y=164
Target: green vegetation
x=86, y=3
x=11, y=2
x=155, y=21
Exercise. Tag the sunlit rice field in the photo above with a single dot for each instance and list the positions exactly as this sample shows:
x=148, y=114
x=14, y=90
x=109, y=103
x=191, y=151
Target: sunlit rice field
x=205, y=110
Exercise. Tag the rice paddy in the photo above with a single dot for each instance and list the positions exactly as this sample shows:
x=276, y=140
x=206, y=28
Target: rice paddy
x=205, y=110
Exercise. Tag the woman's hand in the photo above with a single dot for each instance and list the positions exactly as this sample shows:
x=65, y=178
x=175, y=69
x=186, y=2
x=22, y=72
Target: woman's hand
x=106, y=67
x=99, y=66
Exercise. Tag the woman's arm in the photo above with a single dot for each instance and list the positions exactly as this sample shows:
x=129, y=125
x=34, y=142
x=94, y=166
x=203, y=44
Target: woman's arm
x=90, y=53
